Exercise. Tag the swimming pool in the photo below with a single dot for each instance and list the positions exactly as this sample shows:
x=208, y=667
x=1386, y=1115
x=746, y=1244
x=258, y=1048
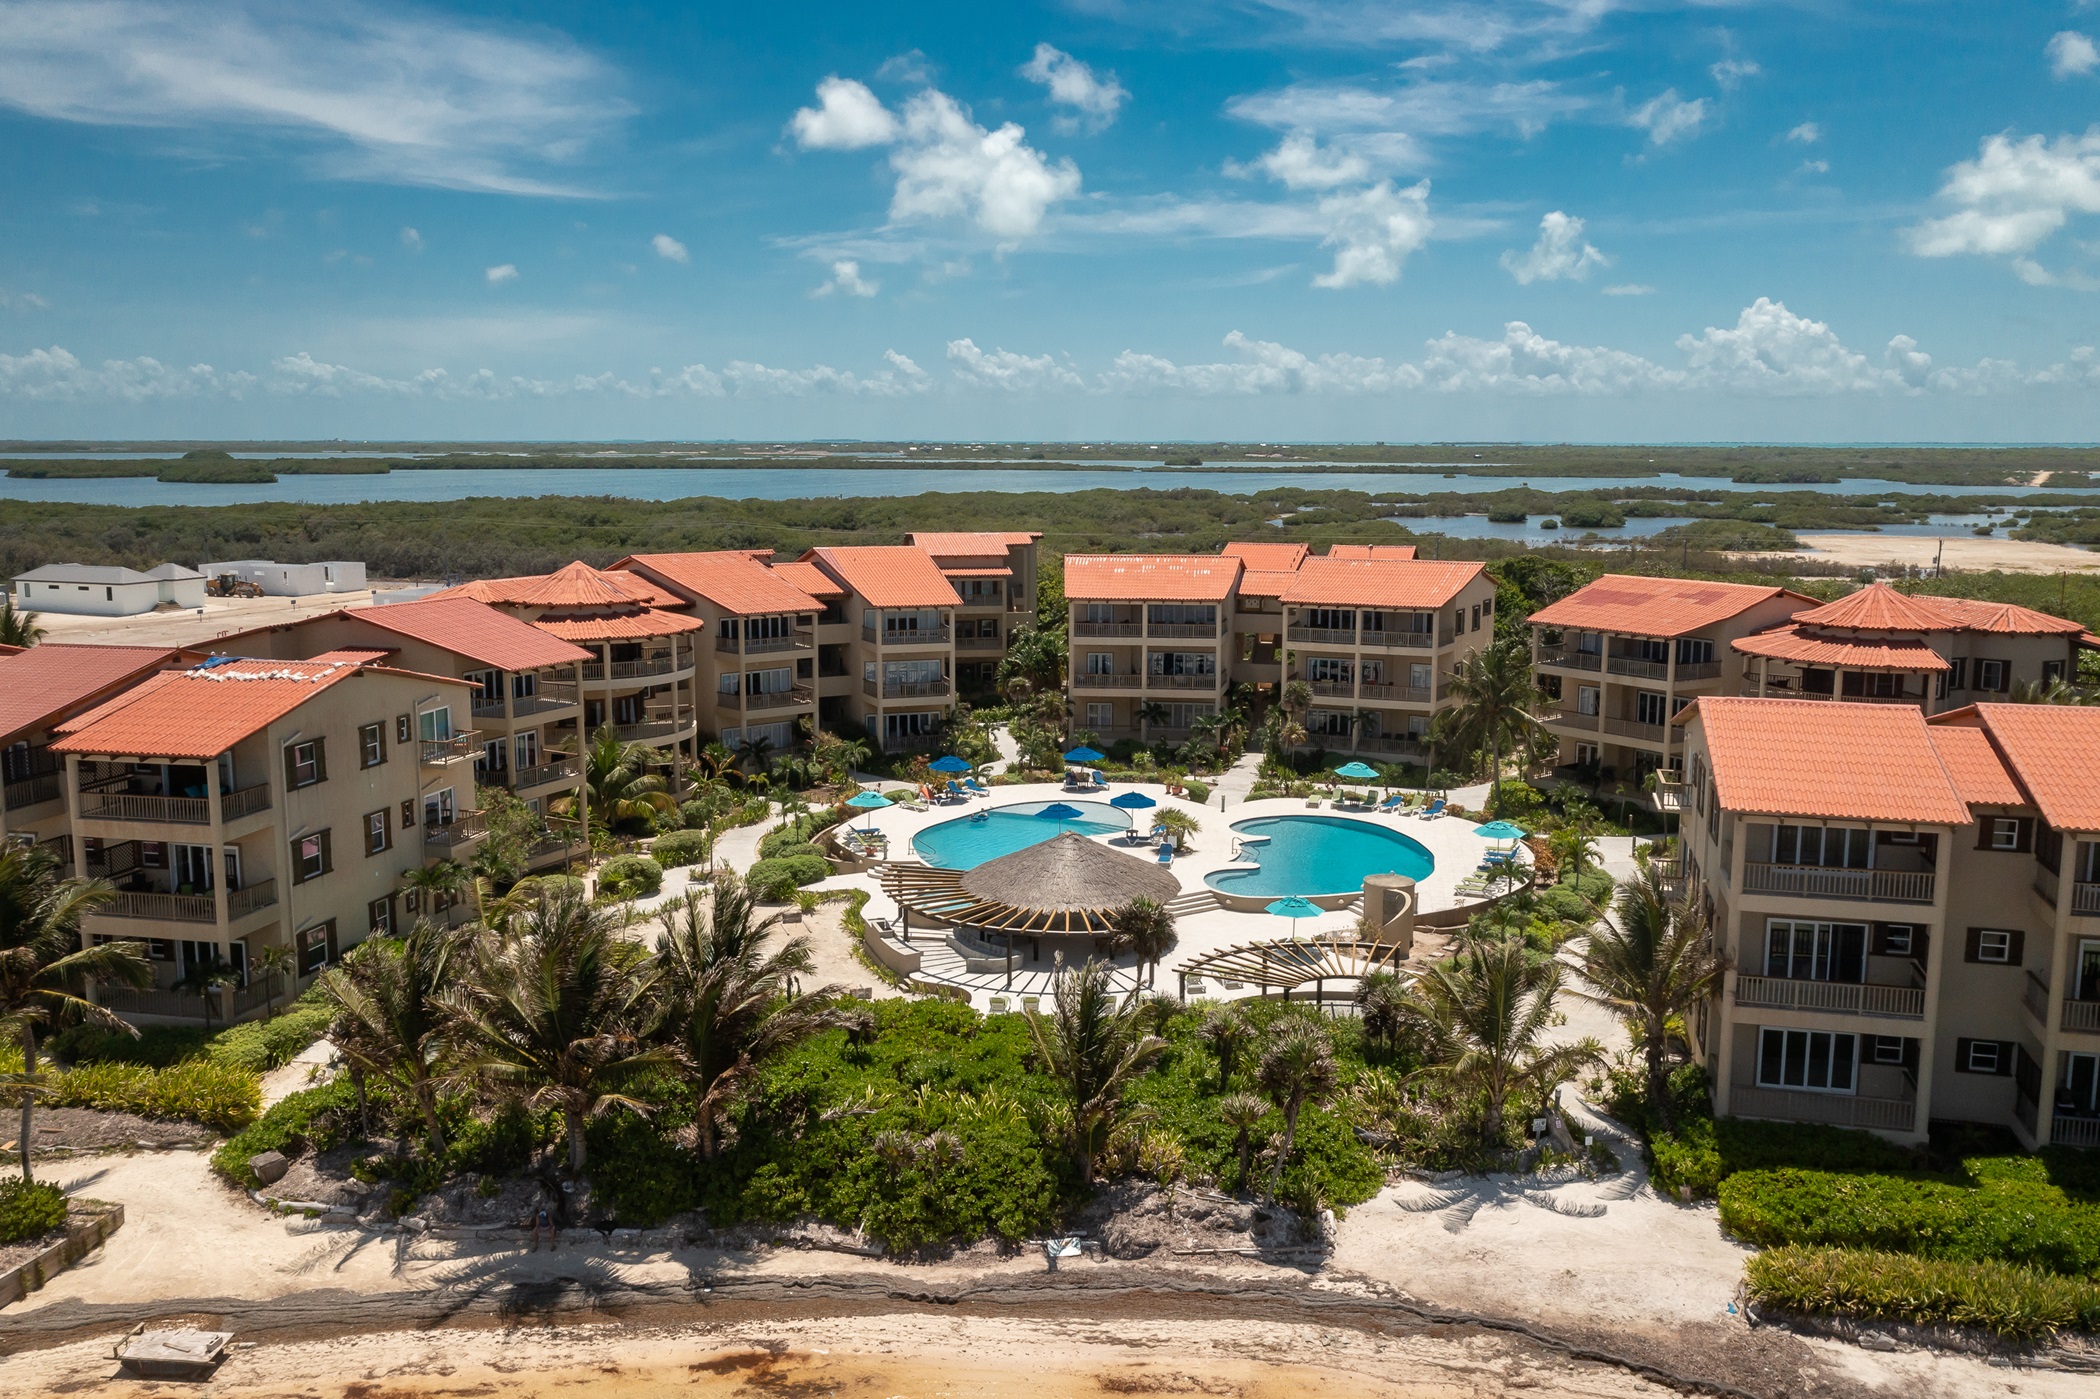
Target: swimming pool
x=1313, y=855
x=987, y=833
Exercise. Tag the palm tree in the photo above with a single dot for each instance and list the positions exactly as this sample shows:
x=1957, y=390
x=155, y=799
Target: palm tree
x=1145, y=927
x=433, y=885
x=1486, y=1012
x=1382, y=1008
x=390, y=1019
x=18, y=628
x=2052, y=691
x=1297, y=1068
x=1572, y=844
x=1226, y=1031
x=42, y=979
x=1492, y=695
x=756, y=752
x=1178, y=825
x=728, y=1005
x=1242, y=1112
x=1280, y=733
x=1094, y=1051
x=554, y=1011
x=271, y=963
x=205, y=978
x=620, y=784
x=1150, y=712
x=1654, y=960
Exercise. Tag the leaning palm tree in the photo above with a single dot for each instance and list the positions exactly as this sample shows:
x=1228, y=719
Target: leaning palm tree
x=619, y=781
x=18, y=628
x=1493, y=696
x=42, y=979
x=554, y=1010
x=390, y=1019
x=432, y=886
x=727, y=1004
x=1145, y=927
x=1654, y=960
x=1297, y=1068
x=1094, y=1051
x=269, y=966
x=1486, y=1012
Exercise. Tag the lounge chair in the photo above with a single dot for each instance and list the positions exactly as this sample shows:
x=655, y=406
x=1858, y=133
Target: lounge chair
x=1166, y=852
x=1392, y=803
x=1196, y=987
x=998, y=1006
x=1433, y=810
x=971, y=784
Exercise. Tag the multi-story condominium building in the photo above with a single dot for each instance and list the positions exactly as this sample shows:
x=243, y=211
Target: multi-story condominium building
x=1879, y=646
x=646, y=653
x=762, y=670
x=1157, y=639
x=1910, y=912
x=526, y=710
x=41, y=688
x=896, y=617
x=994, y=573
x=241, y=804
x=1622, y=655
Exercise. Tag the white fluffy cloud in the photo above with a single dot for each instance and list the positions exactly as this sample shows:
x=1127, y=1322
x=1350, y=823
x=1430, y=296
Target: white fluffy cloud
x=847, y=117
x=54, y=373
x=1729, y=73
x=374, y=92
x=1770, y=349
x=2071, y=54
x=1095, y=99
x=1666, y=117
x=1560, y=252
x=1630, y=289
x=1300, y=162
x=847, y=281
x=947, y=166
x=1007, y=370
x=501, y=273
x=1807, y=133
x=2013, y=196
x=669, y=248
x=1372, y=232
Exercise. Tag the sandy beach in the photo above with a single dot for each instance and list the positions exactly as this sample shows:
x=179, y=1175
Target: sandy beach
x=1965, y=553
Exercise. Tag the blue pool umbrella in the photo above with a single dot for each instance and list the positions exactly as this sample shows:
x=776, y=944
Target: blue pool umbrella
x=1059, y=811
x=869, y=801
x=1499, y=830
x=1294, y=908
x=1083, y=754
x=1132, y=801
x=1357, y=772
x=951, y=763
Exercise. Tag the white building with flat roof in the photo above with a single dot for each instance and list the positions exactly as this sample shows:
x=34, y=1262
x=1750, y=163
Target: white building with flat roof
x=107, y=590
x=294, y=579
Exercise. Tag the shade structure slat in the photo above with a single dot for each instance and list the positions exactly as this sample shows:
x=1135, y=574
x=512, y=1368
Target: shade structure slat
x=1068, y=884
x=1292, y=962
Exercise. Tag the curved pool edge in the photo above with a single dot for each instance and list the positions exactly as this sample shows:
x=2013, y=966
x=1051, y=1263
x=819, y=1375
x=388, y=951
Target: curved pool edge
x=1259, y=903
x=1218, y=881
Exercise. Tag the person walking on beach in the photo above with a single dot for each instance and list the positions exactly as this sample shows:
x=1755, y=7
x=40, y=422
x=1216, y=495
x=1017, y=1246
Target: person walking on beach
x=542, y=1219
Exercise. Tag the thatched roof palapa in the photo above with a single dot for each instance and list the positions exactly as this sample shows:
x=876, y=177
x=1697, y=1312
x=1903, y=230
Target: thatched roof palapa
x=1068, y=884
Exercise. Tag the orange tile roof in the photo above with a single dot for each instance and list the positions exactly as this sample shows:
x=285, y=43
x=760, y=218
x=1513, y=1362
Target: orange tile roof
x=201, y=712
x=1790, y=643
x=619, y=626
x=968, y=545
x=951, y=572
x=645, y=590
x=2054, y=749
x=1150, y=577
x=1839, y=762
x=1264, y=584
x=1266, y=557
x=731, y=579
x=1973, y=763
x=1655, y=606
x=6, y=650
x=1878, y=607
x=1371, y=551
x=2005, y=617
x=810, y=579
x=49, y=682
x=1417, y=583
x=472, y=629
x=887, y=575
x=572, y=585
x=355, y=655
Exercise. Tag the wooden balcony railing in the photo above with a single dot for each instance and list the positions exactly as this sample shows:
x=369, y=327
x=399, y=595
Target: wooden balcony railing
x=763, y=645
x=924, y=636
x=153, y=906
x=127, y=806
x=1321, y=636
x=460, y=747
x=1638, y=666
x=1833, y=1109
x=1132, y=681
x=244, y=801
x=1404, y=640
x=2066, y=1130
x=1181, y=630
x=1635, y=728
x=1836, y=997
x=1108, y=628
x=30, y=791
x=1182, y=682
x=463, y=827
x=1816, y=882
x=242, y=902
x=1566, y=658
x=540, y=775
x=979, y=643
x=2085, y=900
x=2082, y=1017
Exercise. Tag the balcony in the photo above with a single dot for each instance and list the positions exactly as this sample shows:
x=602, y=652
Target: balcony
x=1319, y=636
x=1834, y=997
x=2085, y=900
x=980, y=643
x=1333, y=689
x=650, y=730
x=129, y=806
x=1181, y=630
x=635, y=670
x=1399, y=745
x=1108, y=628
x=1404, y=640
x=244, y=801
x=442, y=752
x=909, y=689
x=1565, y=658
x=1131, y=681
x=34, y=791
x=1815, y=882
x=242, y=902
x=1778, y=692
x=1635, y=728
x=154, y=907
x=1698, y=670
x=1638, y=666
x=1832, y=1109
x=169, y=1001
x=764, y=645
x=543, y=775
x=1671, y=796
x=1392, y=694
x=550, y=697
x=794, y=697
x=2034, y=995
x=464, y=827
x=2082, y=1017
x=1206, y=683
x=2066, y=1130
x=1571, y=719
x=924, y=636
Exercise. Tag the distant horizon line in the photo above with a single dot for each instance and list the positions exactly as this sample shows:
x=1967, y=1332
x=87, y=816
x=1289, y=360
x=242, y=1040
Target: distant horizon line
x=86, y=444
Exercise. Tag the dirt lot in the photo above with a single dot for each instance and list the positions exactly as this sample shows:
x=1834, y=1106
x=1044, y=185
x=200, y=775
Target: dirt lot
x=64, y=1130
x=1965, y=552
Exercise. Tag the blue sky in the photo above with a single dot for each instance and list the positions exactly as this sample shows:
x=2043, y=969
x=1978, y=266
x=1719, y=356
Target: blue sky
x=1292, y=219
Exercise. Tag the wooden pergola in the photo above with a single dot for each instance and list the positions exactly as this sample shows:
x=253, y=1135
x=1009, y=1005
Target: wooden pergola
x=1289, y=963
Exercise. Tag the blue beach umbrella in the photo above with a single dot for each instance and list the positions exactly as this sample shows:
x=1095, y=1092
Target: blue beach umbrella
x=951, y=763
x=1060, y=813
x=1132, y=801
x=1357, y=772
x=1499, y=830
x=1083, y=754
x=869, y=801
x=1294, y=908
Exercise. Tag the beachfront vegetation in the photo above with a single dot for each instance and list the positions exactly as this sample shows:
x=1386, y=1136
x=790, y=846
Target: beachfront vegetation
x=1654, y=961
x=29, y=1210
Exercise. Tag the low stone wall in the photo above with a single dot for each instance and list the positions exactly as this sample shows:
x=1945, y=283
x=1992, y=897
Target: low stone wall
x=891, y=952
x=88, y=1223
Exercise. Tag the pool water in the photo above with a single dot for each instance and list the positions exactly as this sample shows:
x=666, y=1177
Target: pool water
x=987, y=833
x=1319, y=855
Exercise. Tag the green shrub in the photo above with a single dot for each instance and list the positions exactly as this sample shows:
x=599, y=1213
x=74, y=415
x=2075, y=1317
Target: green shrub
x=219, y=1096
x=320, y=1117
x=262, y=1045
x=1871, y=1286
x=553, y=885
x=681, y=848
x=777, y=880
x=259, y=1045
x=792, y=836
x=1198, y=792
x=2007, y=1212
x=631, y=877
x=700, y=813
x=29, y=1210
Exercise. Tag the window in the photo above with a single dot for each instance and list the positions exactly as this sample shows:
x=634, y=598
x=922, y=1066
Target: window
x=1992, y=676
x=1330, y=670
x=1585, y=754
x=310, y=857
x=1590, y=643
x=316, y=947
x=408, y=813
x=1100, y=716
x=1895, y=939
x=1184, y=663
x=1458, y=620
x=488, y=687
x=1418, y=678
x=2000, y=945
x=1816, y=1060
x=379, y=834
x=305, y=763
x=1826, y=847
x=1476, y=616
x=437, y=808
x=1332, y=723
x=371, y=745
x=1100, y=663
x=1805, y=951
x=2014, y=833
x=1958, y=673
x=435, y=725
x=1994, y=1057
x=379, y=917
x=782, y=680
x=1694, y=650
x=1885, y=1049
x=1648, y=707
x=730, y=682
x=1587, y=699
x=528, y=750
x=1651, y=648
